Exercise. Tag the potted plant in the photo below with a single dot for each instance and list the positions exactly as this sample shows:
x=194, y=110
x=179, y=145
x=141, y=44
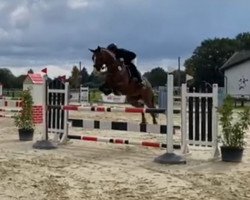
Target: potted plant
x=24, y=119
x=233, y=131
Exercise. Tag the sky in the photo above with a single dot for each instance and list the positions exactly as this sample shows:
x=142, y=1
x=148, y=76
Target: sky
x=56, y=34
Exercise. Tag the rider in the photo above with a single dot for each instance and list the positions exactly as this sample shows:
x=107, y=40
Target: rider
x=128, y=57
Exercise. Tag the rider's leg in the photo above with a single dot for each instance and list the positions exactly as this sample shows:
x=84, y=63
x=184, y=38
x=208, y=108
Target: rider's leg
x=135, y=73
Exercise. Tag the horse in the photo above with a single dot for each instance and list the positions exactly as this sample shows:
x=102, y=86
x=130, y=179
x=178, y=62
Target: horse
x=117, y=79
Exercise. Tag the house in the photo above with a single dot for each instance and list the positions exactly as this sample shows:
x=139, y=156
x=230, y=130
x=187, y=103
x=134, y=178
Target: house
x=237, y=74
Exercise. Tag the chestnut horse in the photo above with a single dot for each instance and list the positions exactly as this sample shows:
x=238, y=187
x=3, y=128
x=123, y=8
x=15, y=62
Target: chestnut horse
x=117, y=80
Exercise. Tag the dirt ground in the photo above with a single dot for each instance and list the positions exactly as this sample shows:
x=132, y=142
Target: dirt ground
x=90, y=170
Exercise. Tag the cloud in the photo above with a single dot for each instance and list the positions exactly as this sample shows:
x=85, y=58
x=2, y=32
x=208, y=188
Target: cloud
x=77, y=4
x=3, y=34
x=20, y=17
x=53, y=70
x=36, y=33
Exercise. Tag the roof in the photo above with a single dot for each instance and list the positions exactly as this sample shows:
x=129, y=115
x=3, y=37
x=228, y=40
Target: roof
x=34, y=78
x=236, y=59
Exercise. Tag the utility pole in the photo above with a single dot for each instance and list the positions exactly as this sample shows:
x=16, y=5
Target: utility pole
x=80, y=79
x=179, y=74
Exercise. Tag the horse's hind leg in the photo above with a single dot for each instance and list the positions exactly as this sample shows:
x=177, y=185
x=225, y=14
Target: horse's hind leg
x=143, y=119
x=150, y=103
x=154, y=118
x=134, y=102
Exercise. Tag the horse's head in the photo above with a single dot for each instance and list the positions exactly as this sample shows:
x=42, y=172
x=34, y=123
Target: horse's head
x=103, y=60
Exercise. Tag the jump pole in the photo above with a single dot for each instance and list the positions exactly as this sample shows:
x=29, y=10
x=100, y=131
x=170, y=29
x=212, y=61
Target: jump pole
x=170, y=157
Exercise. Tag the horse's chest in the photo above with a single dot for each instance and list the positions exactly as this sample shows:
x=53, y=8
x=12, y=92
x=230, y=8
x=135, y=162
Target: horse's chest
x=115, y=82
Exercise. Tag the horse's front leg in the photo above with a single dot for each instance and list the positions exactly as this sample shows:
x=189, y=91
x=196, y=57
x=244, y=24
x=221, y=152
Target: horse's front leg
x=105, y=89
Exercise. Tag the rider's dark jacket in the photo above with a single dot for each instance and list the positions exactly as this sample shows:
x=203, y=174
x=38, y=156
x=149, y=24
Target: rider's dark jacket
x=128, y=56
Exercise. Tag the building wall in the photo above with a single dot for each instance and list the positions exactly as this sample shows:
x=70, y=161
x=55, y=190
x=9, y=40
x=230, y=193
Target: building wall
x=37, y=92
x=38, y=95
x=238, y=79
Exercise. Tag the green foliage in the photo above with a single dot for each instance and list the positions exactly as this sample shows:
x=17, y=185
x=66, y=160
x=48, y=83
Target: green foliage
x=207, y=59
x=74, y=80
x=9, y=80
x=205, y=63
x=233, y=133
x=243, y=40
x=84, y=76
x=182, y=77
x=94, y=81
x=30, y=71
x=95, y=96
x=24, y=119
x=157, y=77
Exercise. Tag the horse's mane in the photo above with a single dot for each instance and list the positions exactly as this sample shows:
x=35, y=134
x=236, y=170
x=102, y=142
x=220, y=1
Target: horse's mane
x=109, y=52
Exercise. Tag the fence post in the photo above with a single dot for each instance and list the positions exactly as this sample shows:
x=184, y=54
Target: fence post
x=215, y=121
x=184, y=146
x=66, y=113
x=170, y=157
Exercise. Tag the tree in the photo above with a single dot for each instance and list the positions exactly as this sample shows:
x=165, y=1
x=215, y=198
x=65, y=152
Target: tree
x=94, y=81
x=7, y=78
x=30, y=71
x=182, y=77
x=157, y=77
x=243, y=40
x=207, y=59
x=84, y=76
x=18, y=83
x=74, y=80
x=204, y=65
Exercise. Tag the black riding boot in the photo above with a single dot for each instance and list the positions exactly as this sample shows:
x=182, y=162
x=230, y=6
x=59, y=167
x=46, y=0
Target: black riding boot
x=135, y=73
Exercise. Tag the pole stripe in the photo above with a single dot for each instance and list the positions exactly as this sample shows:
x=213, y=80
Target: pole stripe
x=89, y=138
x=122, y=141
x=10, y=110
x=110, y=109
x=7, y=116
x=121, y=126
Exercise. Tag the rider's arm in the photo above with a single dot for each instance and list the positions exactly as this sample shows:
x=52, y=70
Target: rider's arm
x=126, y=55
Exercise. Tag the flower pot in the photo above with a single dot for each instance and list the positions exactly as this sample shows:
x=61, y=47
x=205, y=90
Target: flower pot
x=231, y=154
x=26, y=134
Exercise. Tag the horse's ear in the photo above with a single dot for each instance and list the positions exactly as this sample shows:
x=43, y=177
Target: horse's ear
x=98, y=49
x=93, y=51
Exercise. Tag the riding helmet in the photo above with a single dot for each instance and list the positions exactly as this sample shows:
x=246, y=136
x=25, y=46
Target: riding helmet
x=112, y=47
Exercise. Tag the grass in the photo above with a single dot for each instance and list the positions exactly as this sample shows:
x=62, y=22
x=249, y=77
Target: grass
x=95, y=96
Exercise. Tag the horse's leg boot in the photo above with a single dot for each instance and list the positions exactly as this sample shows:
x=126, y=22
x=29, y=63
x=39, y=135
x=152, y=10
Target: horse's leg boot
x=105, y=89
